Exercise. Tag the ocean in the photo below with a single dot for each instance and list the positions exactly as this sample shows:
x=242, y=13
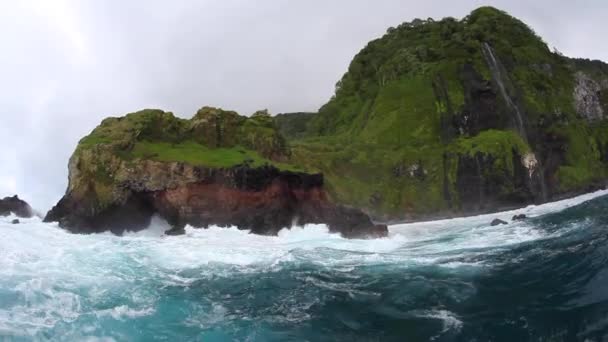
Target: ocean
x=542, y=279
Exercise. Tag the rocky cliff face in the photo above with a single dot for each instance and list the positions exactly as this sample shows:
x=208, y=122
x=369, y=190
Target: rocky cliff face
x=588, y=97
x=195, y=172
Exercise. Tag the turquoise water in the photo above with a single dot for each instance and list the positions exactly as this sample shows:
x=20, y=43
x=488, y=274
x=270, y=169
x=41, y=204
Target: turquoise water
x=453, y=280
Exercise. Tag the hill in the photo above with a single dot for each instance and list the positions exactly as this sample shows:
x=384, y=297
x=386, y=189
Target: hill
x=454, y=117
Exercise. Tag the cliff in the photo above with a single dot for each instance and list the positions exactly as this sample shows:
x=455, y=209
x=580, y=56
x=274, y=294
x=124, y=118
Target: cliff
x=218, y=168
x=453, y=117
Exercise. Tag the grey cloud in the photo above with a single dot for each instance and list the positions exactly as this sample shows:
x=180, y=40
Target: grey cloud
x=67, y=64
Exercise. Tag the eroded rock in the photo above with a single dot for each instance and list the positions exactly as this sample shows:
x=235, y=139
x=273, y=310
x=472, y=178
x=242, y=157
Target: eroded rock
x=587, y=97
x=263, y=200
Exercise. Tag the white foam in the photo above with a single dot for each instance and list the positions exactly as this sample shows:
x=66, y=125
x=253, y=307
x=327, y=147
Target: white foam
x=476, y=232
x=35, y=247
x=123, y=312
x=449, y=320
x=486, y=219
x=47, y=267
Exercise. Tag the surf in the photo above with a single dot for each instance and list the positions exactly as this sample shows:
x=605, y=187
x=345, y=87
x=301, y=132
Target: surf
x=224, y=283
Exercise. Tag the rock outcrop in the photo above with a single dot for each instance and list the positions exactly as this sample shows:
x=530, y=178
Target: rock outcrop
x=14, y=205
x=498, y=222
x=519, y=217
x=213, y=181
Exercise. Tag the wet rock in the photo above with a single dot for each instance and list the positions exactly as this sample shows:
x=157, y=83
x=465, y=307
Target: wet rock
x=16, y=206
x=519, y=217
x=175, y=231
x=497, y=222
x=15, y=221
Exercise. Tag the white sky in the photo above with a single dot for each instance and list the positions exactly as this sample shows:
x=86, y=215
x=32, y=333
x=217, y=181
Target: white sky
x=67, y=64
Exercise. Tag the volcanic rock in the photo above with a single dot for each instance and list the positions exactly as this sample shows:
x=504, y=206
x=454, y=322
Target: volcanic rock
x=519, y=217
x=497, y=222
x=16, y=206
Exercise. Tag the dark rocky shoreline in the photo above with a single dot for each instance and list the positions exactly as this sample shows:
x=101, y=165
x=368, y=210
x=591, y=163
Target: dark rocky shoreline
x=263, y=200
x=453, y=214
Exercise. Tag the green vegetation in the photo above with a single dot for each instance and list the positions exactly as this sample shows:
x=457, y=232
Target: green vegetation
x=492, y=142
x=293, y=125
x=583, y=162
x=212, y=138
x=196, y=154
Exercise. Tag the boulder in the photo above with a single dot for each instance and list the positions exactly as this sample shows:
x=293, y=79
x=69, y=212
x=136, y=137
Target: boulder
x=497, y=222
x=15, y=221
x=519, y=217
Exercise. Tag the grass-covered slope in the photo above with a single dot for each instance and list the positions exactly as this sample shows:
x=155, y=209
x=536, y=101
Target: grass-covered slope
x=212, y=138
x=458, y=115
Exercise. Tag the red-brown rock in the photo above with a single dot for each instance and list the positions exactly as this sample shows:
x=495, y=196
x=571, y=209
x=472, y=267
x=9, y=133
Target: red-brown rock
x=263, y=200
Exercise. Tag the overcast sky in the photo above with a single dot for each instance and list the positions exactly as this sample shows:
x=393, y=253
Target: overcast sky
x=66, y=64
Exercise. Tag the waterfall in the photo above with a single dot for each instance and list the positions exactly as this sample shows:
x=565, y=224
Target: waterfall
x=498, y=76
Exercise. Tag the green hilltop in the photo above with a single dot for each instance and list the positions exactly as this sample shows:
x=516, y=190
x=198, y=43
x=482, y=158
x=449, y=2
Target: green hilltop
x=212, y=138
x=433, y=95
